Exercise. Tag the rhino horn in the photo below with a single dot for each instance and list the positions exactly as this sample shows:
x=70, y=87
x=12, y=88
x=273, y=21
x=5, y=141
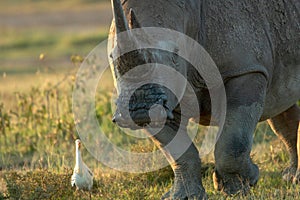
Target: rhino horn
x=119, y=16
x=133, y=23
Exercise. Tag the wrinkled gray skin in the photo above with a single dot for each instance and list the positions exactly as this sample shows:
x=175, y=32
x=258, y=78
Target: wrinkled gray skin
x=255, y=45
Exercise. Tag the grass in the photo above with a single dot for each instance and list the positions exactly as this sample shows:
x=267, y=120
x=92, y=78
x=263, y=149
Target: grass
x=37, y=136
x=109, y=184
x=37, y=129
x=44, y=184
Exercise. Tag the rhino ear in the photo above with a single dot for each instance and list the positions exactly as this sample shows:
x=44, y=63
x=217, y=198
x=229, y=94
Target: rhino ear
x=133, y=22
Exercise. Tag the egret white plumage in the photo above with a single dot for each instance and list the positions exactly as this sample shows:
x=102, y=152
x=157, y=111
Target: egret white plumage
x=82, y=176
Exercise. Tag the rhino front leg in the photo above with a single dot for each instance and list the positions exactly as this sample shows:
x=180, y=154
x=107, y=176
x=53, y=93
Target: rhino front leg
x=235, y=171
x=185, y=163
x=285, y=125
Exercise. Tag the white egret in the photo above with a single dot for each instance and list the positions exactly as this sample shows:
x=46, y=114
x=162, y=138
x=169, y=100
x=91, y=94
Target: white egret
x=82, y=176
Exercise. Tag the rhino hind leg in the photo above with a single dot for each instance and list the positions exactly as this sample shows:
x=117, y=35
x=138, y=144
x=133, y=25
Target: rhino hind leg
x=185, y=163
x=285, y=125
x=235, y=172
x=296, y=179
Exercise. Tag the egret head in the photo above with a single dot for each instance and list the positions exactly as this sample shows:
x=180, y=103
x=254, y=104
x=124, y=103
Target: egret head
x=78, y=143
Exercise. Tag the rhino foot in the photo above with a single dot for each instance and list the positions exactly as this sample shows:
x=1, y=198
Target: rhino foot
x=185, y=191
x=233, y=183
x=289, y=173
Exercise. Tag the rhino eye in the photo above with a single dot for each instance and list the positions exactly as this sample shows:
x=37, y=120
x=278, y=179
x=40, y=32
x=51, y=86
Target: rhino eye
x=111, y=56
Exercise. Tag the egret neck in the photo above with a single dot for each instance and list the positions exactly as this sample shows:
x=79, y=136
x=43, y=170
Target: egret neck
x=78, y=159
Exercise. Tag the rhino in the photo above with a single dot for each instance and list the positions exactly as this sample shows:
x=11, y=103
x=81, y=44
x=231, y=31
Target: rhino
x=255, y=45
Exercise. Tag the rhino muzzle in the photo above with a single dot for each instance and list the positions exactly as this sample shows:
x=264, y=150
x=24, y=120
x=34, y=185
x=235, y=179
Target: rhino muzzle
x=147, y=107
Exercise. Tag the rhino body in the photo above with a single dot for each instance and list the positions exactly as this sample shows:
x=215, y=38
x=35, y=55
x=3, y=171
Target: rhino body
x=255, y=45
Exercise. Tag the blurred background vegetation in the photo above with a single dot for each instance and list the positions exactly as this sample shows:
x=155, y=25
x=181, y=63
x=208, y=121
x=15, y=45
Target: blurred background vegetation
x=38, y=37
x=42, y=44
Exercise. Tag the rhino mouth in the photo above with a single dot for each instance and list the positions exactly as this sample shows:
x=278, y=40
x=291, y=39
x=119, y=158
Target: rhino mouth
x=148, y=107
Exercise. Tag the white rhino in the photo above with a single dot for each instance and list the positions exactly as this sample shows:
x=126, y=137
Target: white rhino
x=255, y=45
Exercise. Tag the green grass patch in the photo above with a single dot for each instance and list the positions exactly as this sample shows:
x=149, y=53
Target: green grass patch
x=109, y=184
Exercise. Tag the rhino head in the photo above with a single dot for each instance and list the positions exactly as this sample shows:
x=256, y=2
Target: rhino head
x=142, y=100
